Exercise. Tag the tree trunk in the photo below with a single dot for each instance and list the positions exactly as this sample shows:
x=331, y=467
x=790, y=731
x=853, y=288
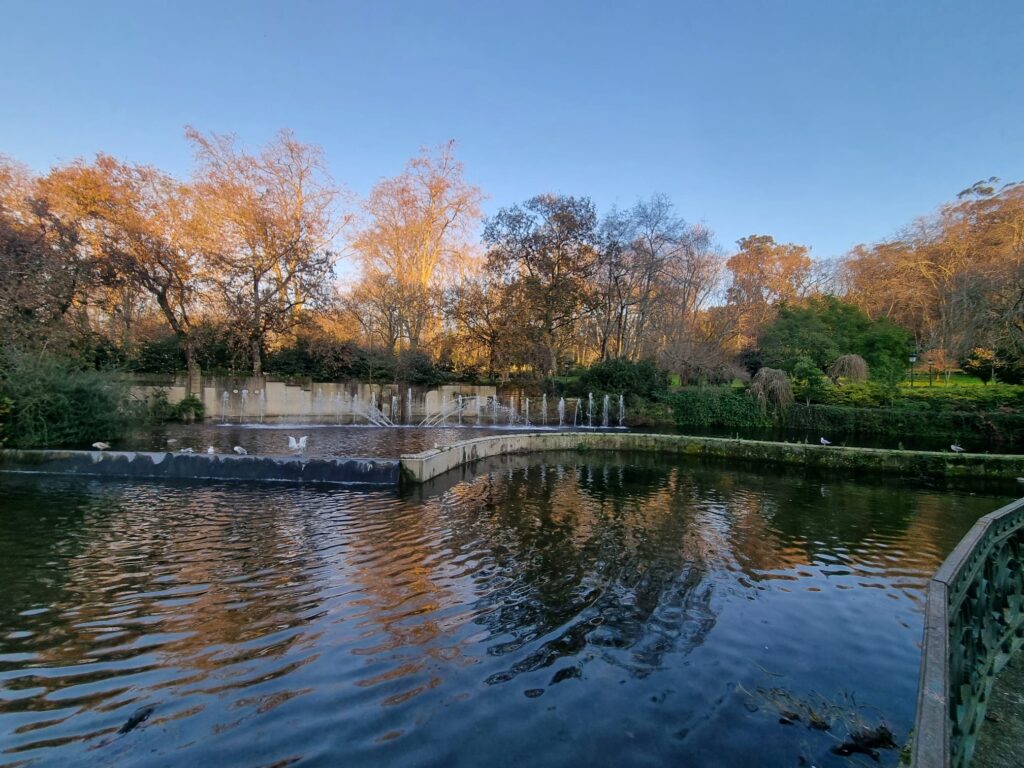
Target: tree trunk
x=257, y=357
x=194, y=380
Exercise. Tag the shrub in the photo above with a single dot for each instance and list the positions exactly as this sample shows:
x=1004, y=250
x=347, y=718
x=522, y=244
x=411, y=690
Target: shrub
x=850, y=367
x=620, y=376
x=771, y=388
x=5, y=411
x=809, y=382
x=716, y=407
x=189, y=409
x=57, y=404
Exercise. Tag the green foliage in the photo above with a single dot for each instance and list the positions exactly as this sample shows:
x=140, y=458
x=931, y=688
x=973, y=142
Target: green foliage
x=960, y=397
x=189, y=408
x=771, y=389
x=981, y=363
x=716, y=407
x=823, y=329
x=163, y=355
x=809, y=383
x=158, y=408
x=999, y=428
x=6, y=405
x=58, y=404
x=643, y=379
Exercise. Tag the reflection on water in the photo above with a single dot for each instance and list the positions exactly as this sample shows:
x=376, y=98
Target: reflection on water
x=597, y=610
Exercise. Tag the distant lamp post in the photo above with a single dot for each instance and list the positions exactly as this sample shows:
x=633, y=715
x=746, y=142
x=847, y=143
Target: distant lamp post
x=913, y=359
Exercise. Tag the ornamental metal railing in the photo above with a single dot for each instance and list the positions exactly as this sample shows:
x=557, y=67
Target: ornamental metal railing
x=974, y=622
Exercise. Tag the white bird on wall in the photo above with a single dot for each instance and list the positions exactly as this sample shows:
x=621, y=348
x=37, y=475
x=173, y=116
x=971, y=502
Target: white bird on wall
x=101, y=446
x=825, y=442
x=955, y=448
x=297, y=445
x=187, y=450
x=210, y=450
x=240, y=450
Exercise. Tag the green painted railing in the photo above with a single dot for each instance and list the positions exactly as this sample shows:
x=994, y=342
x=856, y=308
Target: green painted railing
x=974, y=622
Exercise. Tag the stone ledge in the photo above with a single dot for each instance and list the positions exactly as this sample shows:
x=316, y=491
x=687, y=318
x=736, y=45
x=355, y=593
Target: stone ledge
x=202, y=466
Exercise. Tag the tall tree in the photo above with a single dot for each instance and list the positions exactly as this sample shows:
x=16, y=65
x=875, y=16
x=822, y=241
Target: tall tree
x=414, y=225
x=45, y=271
x=140, y=224
x=272, y=219
x=544, y=253
x=765, y=274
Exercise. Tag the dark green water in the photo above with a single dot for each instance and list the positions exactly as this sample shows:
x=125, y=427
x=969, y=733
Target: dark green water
x=588, y=611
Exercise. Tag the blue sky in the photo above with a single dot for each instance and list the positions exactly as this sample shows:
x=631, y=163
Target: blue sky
x=825, y=122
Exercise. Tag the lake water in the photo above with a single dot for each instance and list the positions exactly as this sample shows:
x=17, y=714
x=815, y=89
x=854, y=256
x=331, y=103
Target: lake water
x=580, y=610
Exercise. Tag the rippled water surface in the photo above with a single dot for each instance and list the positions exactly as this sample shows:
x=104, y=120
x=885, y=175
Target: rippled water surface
x=599, y=610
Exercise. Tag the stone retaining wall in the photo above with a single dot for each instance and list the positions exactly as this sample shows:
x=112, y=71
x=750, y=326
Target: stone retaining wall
x=421, y=467
x=201, y=466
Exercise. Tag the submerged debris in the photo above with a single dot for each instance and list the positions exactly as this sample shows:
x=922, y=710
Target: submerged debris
x=821, y=714
x=138, y=717
x=867, y=741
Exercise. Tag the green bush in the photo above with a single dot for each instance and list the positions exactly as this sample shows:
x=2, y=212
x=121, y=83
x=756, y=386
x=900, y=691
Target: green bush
x=966, y=397
x=1003, y=429
x=189, y=408
x=6, y=405
x=821, y=329
x=57, y=404
x=642, y=379
x=716, y=407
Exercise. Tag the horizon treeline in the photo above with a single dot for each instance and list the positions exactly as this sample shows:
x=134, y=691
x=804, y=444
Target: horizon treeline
x=102, y=260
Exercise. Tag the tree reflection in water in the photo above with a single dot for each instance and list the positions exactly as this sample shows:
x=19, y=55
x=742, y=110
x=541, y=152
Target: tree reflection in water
x=630, y=598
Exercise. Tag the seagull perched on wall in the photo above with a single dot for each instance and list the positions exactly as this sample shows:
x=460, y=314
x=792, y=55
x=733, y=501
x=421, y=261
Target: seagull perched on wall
x=101, y=446
x=298, y=446
x=187, y=450
x=240, y=450
x=955, y=448
x=825, y=442
x=210, y=450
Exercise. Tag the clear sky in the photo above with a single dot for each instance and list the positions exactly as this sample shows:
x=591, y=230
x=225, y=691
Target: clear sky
x=823, y=122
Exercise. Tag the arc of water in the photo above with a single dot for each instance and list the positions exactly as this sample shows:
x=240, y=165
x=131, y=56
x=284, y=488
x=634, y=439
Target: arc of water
x=590, y=409
x=622, y=410
x=544, y=409
x=561, y=411
x=604, y=411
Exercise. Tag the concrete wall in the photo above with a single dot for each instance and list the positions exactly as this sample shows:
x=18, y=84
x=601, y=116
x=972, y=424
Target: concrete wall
x=425, y=466
x=201, y=466
x=250, y=399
